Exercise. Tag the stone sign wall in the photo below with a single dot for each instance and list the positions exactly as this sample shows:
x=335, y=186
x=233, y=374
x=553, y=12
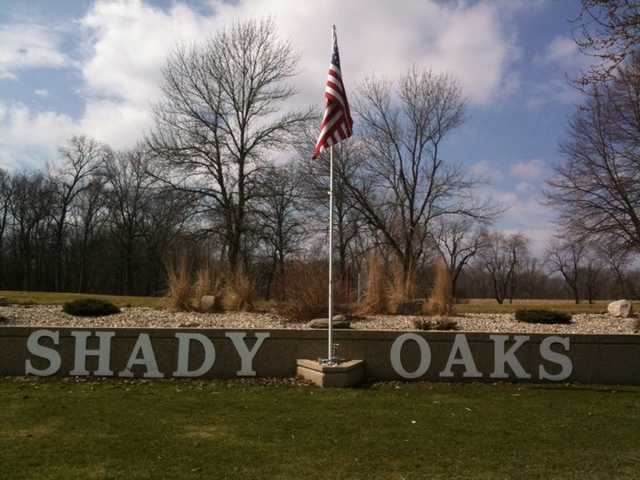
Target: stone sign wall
x=388, y=355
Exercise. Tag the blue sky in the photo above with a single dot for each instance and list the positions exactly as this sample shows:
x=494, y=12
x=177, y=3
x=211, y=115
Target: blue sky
x=93, y=67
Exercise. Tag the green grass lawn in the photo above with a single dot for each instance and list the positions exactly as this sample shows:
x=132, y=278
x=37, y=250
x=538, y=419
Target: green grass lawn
x=65, y=429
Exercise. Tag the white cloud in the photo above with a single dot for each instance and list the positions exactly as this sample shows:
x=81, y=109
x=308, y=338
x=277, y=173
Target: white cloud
x=116, y=123
x=526, y=214
x=561, y=61
x=481, y=168
x=532, y=168
x=562, y=49
x=29, y=138
x=468, y=41
x=25, y=46
x=126, y=43
x=129, y=44
x=539, y=237
x=552, y=90
x=41, y=92
x=524, y=187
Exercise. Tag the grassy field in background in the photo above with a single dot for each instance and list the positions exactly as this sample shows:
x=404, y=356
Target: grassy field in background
x=478, y=305
x=62, y=429
x=56, y=298
x=489, y=305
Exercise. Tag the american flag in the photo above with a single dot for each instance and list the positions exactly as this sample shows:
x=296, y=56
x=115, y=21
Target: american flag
x=337, y=123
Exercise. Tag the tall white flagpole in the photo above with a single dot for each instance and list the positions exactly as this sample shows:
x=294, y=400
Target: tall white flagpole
x=330, y=358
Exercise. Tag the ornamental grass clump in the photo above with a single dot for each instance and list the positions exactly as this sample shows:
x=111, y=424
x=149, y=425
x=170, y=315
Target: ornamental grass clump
x=179, y=288
x=306, y=293
x=208, y=284
x=90, y=307
x=402, y=290
x=375, y=298
x=542, y=316
x=440, y=301
x=238, y=293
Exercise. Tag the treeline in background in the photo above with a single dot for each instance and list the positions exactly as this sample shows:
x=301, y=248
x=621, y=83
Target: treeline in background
x=221, y=194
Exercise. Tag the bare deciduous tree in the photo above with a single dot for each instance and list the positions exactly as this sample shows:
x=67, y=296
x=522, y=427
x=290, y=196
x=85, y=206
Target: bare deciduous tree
x=280, y=224
x=402, y=183
x=89, y=212
x=566, y=257
x=609, y=31
x=348, y=222
x=501, y=257
x=81, y=159
x=618, y=260
x=128, y=196
x=592, y=274
x=596, y=189
x=5, y=200
x=32, y=197
x=221, y=116
x=458, y=241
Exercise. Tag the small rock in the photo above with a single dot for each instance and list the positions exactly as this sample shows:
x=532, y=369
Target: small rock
x=339, y=321
x=3, y=319
x=210, y=303
x=4, y=302
x=620, y=309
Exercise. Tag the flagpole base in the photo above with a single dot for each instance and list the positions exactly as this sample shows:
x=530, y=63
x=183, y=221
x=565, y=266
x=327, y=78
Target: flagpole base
x=348, y=373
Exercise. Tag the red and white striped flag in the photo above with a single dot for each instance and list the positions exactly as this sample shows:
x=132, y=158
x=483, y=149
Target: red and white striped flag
x=336, y=124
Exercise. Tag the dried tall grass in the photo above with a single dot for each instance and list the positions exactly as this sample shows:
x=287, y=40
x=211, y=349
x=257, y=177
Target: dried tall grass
x=307, y=292
x=179, y=288
x=239, y=293
x=208, y=283
x=403, y=286
x=375, y=299
x=440, y=301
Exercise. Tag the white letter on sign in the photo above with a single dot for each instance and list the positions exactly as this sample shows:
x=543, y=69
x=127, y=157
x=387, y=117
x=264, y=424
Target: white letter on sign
x=184, y=340
x=103, y=353
x=501, y=358
x=461, y=345
x=34, y=348
x=396, y=354
x=562, y=360
x=246, y=355
x=148, y=360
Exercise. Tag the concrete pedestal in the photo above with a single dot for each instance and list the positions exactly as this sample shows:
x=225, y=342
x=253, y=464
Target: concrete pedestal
x=346, y=374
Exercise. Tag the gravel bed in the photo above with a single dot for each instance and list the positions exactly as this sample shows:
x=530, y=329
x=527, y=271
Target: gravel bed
x=588, y=323
x=139, y=317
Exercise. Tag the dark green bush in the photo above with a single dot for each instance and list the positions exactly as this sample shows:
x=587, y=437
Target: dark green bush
x=542, y=316
x=422, y=324
x=90, y=307
x=440, y=324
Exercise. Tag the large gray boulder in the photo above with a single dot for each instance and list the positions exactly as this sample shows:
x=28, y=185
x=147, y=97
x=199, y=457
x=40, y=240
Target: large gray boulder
x=620, y=309
x=339, y=321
